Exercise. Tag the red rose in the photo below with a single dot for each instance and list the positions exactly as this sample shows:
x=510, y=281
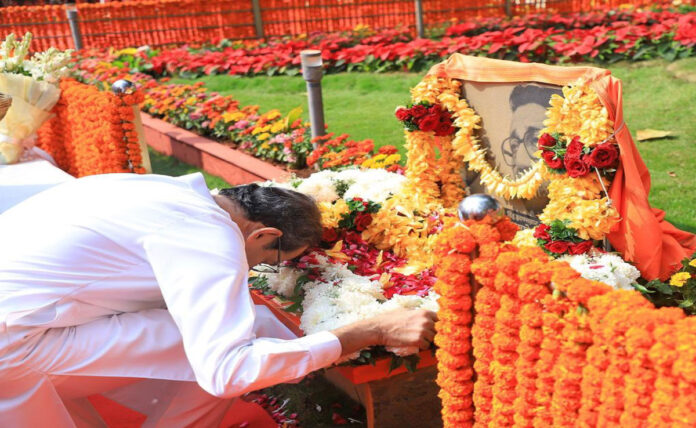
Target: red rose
x=603, y=156
x=580, y=247
x=435, y=109
x=429, y=123
x=402, y=114
x=557, y=247
x=574, y=149
x=444, y=129
x=329, y=235
x=419, y=110
x=576, y=167
x=362, y=220
x=542, y=232
x=546, y=140
x=551, y=160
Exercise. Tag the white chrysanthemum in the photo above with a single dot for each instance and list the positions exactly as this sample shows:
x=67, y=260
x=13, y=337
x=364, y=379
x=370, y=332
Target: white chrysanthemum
x=284, y=281
x=607, y=268
x=376, y=185
x=344, y=298
x=320, y=186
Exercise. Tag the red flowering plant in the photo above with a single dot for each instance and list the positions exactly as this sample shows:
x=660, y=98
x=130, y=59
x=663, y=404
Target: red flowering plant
x=571, y=156
x=426, y=117
x=558, y=239
x=340, y=152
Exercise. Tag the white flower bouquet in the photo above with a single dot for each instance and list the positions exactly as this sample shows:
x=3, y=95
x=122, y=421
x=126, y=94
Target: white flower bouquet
x=32, y=86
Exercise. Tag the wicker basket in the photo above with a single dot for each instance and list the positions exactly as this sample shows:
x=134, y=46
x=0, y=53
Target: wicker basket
x=5, y=103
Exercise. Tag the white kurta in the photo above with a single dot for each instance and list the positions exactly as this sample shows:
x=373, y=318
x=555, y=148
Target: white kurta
x=124, y=275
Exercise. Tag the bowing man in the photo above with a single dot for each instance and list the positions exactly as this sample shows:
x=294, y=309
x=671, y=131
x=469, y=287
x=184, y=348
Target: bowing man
x=136, y=286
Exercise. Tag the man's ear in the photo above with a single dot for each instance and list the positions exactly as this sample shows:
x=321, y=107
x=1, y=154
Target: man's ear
x=264, y=236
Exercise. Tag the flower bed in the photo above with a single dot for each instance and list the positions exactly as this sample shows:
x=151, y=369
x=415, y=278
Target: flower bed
x=284, y=141
x=601, y=37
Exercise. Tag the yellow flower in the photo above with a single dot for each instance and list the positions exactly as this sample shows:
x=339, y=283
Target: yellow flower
x=190, y=101
x=331, y=213
x=262, y=137
x=127, y=51
x=692, y=263
x=229, y=116
x=679, y=279
x=277, y=127
x=392, y=159
x=265, y=145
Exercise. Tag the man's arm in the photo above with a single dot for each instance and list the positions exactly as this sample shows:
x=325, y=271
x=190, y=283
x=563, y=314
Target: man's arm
x=202, y=275
x=400, y=328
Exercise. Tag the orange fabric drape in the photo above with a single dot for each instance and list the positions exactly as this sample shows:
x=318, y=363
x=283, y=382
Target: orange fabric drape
x=643, y=236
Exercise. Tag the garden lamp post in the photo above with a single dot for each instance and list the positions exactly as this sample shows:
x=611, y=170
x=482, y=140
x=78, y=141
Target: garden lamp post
x=312, y=73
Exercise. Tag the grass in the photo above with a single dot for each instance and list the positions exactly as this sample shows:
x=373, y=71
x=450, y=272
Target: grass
x=166, y=165
x=362, y=106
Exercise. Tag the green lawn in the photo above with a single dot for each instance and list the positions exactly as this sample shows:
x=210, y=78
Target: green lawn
x=362, y=106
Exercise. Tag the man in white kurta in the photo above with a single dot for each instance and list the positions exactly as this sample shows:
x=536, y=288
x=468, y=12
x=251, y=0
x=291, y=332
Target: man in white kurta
x=110, y=279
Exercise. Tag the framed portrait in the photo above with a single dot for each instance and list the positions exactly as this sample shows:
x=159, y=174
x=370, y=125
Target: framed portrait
x=512, y=114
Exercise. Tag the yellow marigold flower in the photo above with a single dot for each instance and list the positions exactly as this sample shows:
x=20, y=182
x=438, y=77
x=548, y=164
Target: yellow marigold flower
x=257, y=130
x=277, y=127
x=190, y=100
x=368, y=163
x=232, y=116
x=679, y=279
x=331, y=213
x=692, y=263
x=273, y=114
x=524, y=238
x=127, y=51
x=392, y=159
x=262, y=137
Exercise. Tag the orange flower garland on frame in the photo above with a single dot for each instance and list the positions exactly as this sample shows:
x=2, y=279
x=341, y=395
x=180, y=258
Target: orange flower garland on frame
x=93, y=132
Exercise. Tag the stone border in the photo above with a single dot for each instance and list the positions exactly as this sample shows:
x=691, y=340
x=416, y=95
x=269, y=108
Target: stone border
x=233, y=166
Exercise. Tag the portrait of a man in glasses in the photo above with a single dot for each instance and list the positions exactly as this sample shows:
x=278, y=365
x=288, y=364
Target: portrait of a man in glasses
x=528, y=104
x=511, y=117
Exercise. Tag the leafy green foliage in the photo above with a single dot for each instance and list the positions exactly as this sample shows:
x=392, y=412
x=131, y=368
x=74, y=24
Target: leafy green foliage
x=356, y=207
x=680, y=291
x=342, y=186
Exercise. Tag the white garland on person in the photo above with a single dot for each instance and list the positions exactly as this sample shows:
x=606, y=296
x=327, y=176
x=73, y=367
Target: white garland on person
x=608, y=268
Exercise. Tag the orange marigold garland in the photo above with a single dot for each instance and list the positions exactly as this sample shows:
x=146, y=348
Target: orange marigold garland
x=640, y=383
x=613, y=332
x=530, y=294
x=663, y=354
x=455, y=373
x=683, y=412
x=93, y=132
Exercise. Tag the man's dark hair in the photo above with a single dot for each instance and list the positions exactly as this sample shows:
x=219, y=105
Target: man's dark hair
x=294, y=213
x=531, y=94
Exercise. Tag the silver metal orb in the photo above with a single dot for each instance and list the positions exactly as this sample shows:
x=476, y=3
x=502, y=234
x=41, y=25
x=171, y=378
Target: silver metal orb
x=477, y=206
x=123, y=86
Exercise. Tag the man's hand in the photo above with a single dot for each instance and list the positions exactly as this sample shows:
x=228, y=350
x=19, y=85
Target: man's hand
x=401, y=328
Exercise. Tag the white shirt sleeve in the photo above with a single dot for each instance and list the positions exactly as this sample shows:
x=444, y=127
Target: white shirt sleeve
x=203, y=277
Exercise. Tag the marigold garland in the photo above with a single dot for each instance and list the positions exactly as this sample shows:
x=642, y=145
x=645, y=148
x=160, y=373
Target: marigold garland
x=640, y=384
x=663, y=354
x=93, y=132
x=455, y=374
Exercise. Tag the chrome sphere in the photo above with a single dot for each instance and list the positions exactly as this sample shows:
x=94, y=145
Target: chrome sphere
x=477, y=206
x=123, y=86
